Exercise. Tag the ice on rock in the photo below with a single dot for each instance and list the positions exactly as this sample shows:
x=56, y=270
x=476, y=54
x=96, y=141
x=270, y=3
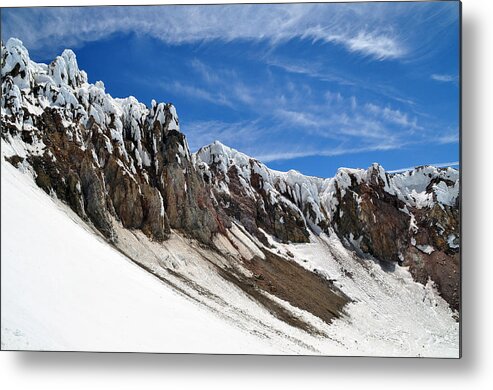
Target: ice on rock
x=174, y=124
x=28, y=89
x=378, y=171
x=452, y=241
x=75, y=76
x=16, y=62
x=445, y=194
x=100, y=85
x=11, y=99
x=319, y=197
x=428, y=249
x=412, y=187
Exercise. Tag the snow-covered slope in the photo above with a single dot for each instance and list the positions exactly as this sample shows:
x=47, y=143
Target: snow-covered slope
x=64, y=288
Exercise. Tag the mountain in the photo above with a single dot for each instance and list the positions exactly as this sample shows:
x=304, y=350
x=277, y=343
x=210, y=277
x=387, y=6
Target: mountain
x=411, y=218
x=285, y=256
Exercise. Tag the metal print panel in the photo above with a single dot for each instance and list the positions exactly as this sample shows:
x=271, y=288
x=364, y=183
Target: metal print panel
x=239, y=179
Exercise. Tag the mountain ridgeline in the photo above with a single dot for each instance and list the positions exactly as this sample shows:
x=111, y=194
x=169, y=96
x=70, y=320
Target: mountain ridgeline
x=119, y=162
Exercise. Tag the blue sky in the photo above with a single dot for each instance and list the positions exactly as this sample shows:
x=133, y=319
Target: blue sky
x=310, y=87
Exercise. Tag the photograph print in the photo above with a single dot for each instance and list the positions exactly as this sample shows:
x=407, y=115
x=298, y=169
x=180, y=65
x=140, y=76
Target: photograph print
x=271, y=179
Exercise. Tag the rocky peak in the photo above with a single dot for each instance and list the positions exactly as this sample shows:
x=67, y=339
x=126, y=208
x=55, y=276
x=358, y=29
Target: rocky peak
x=126, y=161
x=16, y=63
x=64, y=70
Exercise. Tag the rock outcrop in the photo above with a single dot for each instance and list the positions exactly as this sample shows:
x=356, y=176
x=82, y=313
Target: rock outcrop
x=105, y=157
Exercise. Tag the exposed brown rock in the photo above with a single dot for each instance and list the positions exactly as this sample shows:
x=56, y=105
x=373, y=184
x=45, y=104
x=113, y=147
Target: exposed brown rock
x=292, y=283
x=94, y=197
x=256, y=210
x=156, y=224
x=187, y=198
x=375, y=217
x=440, y=267
x=125, y=194
x=378, y=218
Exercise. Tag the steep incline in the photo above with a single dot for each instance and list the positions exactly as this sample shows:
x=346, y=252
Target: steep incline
x=63, y=288
x=68, y=290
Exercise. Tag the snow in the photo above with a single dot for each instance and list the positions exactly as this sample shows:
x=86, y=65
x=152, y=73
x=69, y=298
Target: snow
x=411, y=186
x=297, y=190
x=300, y=188
x=244, y=242
x=391, y=315
x=68, y=290
x=17, y=56
x=61, y=85
x=452, y=241
x=173, y=125
x=445, y=194
x=428, y=249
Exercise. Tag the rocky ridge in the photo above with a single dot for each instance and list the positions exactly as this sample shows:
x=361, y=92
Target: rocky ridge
x=119, y=160
x=105, y=157
x=409, y=218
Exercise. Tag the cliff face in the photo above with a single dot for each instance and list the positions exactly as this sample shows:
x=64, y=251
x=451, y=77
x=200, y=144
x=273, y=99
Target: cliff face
x=410, y=218
x=118, y=160
x=105, y=157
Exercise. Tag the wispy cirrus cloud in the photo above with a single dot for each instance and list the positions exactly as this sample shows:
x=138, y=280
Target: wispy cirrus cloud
x=329, y=123
x=240, y=134
x=213, y=97
x=450, y=137
x=380, y=46
x=394, y=116
x=373, y=31
x=325, y=73
x=327, y=152
x=204, y=132
x=444, y=78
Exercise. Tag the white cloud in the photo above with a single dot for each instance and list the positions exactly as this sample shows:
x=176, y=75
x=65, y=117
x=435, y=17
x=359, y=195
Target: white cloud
x=379, y=46
x=304, y=119
x=41, y=28
x=284, y=120
x=393, y=116
x=290, y=111
x=240, y=135
x=444, y=78
x=450, y=138
x=237, y=134
x=281, y=155
x=201, y=94
x=324, y=73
